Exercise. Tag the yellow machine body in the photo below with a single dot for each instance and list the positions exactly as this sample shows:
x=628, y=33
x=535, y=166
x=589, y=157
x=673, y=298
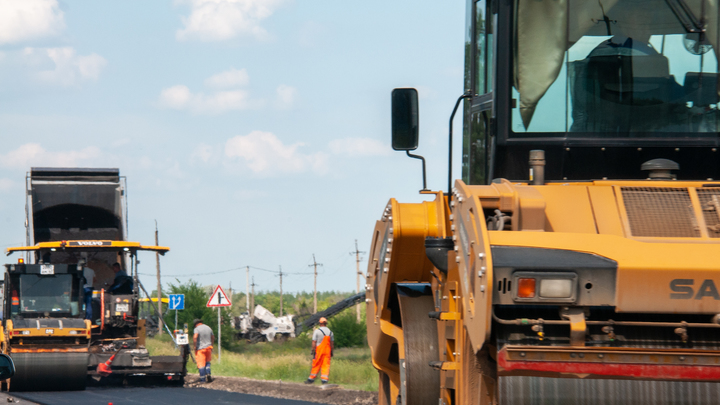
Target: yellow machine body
x=656, y=233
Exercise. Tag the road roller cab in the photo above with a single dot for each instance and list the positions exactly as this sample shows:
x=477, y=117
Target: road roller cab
x=43, y=291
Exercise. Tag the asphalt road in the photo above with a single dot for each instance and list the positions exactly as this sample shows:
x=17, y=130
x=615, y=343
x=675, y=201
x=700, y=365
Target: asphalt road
x=143, y=395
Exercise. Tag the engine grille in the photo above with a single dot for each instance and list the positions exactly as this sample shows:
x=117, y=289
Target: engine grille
x=660, y=212
x=710, y=204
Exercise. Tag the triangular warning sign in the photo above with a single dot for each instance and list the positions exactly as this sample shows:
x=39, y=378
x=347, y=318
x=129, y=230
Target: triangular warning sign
x=218, y=299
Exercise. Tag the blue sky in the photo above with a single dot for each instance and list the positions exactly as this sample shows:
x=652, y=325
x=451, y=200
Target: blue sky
x=256, y=132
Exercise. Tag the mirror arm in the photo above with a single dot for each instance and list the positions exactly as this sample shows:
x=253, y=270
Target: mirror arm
x=467, y=94
x=423, y=168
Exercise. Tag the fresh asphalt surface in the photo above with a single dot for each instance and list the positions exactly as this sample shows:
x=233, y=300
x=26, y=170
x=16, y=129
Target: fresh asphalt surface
x=143, y=395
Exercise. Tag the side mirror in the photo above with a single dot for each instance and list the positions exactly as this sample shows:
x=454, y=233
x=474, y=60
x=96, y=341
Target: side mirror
x=404, y=119
x=7, y=367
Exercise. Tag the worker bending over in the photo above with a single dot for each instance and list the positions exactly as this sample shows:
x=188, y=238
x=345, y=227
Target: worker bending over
x=322, y=350
x=203, y=339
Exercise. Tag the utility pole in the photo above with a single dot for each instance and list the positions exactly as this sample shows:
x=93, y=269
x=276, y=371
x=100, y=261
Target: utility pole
x=281, y=308
x=357, y=266
x=159, y=285
x=247, y=288
x=252, y=297
x=314, y=265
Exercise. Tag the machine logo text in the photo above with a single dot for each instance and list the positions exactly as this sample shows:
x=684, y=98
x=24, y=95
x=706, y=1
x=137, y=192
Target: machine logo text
x=684, y=289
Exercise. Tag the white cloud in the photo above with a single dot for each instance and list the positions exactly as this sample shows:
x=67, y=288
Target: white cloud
x=68, y=67
x=33, y=154
x=23, y=20
x=359, y=147
x=263, y=153
x=218, y=20
x=176, y=97
x=228, y=78
x=286, y=96
x=181, y=98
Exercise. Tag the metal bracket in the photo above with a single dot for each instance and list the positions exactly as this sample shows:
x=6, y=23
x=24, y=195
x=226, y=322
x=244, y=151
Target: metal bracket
x=445, y=316
x=578, y=327
x=444, y=365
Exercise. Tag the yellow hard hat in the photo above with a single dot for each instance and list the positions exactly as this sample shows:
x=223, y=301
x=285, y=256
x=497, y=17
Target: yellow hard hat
x=322, y=320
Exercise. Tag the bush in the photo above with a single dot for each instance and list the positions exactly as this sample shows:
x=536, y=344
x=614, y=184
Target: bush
x=348, y=332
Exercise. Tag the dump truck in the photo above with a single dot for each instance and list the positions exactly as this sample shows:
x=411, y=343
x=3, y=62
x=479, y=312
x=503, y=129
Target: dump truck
x=575, y=260
x=76, y=219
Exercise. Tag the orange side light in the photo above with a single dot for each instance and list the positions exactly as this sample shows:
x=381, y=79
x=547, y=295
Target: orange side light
x=526, y=288
x=21, y=260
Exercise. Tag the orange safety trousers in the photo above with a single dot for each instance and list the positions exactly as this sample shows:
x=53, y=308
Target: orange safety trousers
x=203, y=356
x=321, y=362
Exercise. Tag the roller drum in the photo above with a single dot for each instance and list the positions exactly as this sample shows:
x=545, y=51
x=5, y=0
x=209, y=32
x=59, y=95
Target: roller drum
x=420, y=383
x=572, y=391
x=49, y=371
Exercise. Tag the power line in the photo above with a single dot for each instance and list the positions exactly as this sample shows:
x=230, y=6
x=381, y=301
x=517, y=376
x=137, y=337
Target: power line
x=198, y=274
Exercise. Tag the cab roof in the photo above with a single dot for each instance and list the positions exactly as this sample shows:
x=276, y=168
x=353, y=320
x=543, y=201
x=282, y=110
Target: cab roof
x=94, y=245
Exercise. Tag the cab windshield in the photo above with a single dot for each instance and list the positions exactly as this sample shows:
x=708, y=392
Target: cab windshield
x=628, y=68
x=40, y=294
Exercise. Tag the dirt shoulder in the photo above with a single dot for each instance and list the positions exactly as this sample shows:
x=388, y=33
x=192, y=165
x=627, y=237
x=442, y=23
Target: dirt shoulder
x=287, y=390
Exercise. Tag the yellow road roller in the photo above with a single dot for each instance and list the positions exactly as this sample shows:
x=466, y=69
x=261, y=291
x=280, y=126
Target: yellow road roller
x=576, y=260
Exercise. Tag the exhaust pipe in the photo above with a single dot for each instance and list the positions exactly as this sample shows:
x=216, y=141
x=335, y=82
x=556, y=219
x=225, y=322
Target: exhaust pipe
x=537, y=167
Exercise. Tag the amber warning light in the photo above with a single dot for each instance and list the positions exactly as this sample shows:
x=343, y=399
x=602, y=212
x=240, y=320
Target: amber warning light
x=21, y=261
x=526, y=288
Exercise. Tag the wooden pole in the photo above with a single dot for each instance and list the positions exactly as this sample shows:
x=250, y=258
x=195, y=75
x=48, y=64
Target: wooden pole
x=159, y=284
x=247, y=289
x=314, y=265
x=252, y=297
x=281, y=303
x=357, y=269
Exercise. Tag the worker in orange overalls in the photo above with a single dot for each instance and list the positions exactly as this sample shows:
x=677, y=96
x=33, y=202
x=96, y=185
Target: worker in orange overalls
x=322, y=350
x=203, y=339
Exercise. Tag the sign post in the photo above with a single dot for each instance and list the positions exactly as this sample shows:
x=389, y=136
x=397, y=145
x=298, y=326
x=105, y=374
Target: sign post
x=219, y=299
x=176, y=302
x=219, y=337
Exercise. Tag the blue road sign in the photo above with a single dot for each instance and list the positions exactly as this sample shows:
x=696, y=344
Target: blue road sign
x=177, y=301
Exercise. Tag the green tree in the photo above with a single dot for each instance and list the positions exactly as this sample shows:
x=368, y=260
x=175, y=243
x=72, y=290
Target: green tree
x=348, y=332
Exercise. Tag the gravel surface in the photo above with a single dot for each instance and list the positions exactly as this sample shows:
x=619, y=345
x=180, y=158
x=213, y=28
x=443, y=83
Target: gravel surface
x=329, y=394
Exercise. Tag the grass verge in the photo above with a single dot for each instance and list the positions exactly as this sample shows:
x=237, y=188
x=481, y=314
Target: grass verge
x=351, y=368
